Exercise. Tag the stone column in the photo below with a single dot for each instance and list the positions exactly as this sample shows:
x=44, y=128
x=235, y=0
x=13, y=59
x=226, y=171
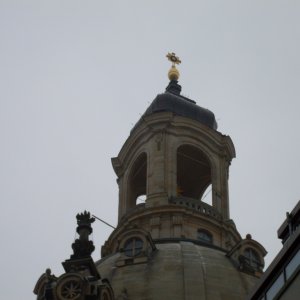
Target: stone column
x=156, y=177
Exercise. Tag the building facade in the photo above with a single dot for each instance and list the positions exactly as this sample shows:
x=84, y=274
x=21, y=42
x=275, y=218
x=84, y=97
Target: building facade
x=281, y=281
x=169, y=243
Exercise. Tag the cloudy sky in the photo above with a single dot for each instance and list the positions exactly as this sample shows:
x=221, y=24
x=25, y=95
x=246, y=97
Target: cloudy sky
x=75, y=76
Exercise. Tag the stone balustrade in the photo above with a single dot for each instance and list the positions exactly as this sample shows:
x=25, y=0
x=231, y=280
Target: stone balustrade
x=197, y=205
x=190, y=203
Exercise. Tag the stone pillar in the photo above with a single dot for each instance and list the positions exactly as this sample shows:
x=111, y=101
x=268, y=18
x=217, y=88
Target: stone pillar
x=155, y=227
x=220, y=199
x=171, y=165
x=156, y=177
x=177, y=222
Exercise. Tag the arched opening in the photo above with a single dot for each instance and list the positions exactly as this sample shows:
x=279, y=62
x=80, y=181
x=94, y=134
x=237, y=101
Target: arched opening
x=252, y=258
x=133, y=247
x=141, y=199
x=193, y=172
x=137, y=182
x=207, y=195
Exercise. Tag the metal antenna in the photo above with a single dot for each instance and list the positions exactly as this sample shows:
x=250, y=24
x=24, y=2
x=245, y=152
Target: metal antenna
x=104, y=222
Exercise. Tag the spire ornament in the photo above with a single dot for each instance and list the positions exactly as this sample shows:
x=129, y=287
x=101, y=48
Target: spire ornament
x=83, y=247
x=173, y=73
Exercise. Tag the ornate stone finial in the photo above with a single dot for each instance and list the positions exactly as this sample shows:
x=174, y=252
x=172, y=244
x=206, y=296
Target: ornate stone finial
x=84, y=222
x=82, y=247
x=173, y=72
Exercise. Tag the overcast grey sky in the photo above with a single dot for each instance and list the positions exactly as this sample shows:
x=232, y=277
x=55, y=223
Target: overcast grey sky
x=75, y=76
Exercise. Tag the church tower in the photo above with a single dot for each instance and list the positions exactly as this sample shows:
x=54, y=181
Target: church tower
x=170, y=243
x=174, y=245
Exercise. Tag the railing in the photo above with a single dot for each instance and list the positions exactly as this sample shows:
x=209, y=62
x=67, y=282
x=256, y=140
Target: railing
x=190, y=203
x=197, y=205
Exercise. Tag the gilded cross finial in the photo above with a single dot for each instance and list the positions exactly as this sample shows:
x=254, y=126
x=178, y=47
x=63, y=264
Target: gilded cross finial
x=173, y=72
x=173, y=58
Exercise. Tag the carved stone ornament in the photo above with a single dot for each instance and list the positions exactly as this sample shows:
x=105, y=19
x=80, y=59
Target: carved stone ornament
x=81, y=280
x=70, y=288
x=45, y=286
x=82, y=247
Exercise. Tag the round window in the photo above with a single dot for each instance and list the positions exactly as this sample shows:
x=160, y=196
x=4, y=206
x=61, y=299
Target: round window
x=133, y=247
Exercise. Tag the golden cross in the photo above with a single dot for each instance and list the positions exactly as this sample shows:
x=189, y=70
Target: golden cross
x=173, y=58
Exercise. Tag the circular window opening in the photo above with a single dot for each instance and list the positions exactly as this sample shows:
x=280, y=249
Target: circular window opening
x=70, y=288
x=133, y=247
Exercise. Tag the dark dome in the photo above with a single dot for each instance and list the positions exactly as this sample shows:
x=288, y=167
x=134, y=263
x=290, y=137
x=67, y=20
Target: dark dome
x=172, y=101
x=182, y=106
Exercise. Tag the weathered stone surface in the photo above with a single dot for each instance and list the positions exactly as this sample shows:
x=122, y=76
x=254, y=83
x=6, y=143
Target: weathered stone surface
x=179, y=271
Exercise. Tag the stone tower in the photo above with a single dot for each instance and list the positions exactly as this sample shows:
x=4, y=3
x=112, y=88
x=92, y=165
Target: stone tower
x=172, y=245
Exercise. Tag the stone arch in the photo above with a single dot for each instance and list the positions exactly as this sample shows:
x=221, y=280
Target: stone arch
x=194, y=171
x=252, y=258
x=136, y=180
x=210, y=148
x=207, y=195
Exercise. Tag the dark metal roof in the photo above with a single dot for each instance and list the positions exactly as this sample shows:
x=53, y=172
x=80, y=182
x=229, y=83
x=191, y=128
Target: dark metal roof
x=172, y=101
x=183, y=107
